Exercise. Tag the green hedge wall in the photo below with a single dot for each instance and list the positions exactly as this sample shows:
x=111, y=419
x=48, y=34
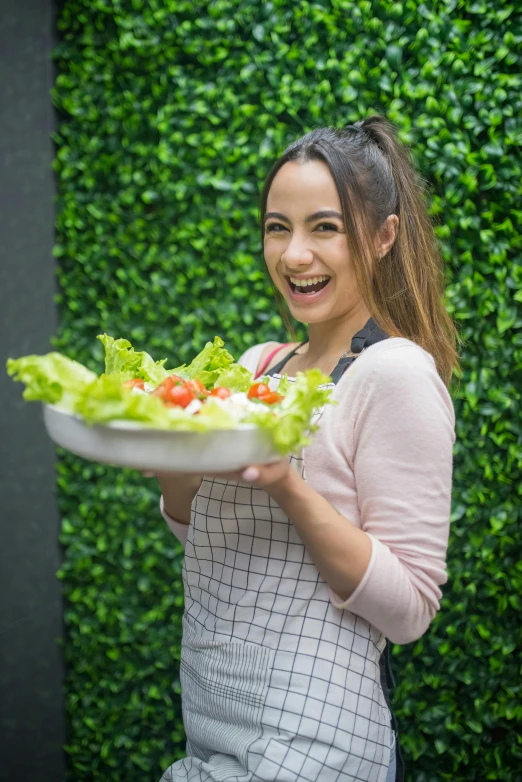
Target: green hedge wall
x=171, y=114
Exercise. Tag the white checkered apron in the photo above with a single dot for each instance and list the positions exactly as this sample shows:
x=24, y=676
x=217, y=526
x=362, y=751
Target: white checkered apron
x=277, y=684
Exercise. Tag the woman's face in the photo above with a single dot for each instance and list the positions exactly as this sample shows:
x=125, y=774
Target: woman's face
x=305, y=245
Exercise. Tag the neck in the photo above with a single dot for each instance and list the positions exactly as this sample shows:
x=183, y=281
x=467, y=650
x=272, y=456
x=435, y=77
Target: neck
x=329, y=340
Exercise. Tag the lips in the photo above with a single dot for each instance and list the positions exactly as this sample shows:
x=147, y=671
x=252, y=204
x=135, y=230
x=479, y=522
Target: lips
x=308, y=284
x=307, y=289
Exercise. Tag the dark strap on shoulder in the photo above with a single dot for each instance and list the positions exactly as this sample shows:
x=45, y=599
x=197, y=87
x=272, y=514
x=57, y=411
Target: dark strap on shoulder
x=278, y=367
x=367, y=336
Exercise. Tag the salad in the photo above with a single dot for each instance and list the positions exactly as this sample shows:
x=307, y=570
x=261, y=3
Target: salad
x=212, y=392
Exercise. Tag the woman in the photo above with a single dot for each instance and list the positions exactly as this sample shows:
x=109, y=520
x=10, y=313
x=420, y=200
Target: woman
x=296, y=573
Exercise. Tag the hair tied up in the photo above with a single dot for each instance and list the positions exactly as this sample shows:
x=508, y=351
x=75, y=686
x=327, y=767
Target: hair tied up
x=371, y=130
x=357, y=130
x=374, y=128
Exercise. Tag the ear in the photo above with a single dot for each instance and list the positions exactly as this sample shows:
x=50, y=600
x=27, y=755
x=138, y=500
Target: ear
x=386, y=235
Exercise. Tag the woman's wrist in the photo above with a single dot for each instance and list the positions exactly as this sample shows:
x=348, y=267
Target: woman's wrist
x=174, y=515
x=177, y=492
x=289, y=486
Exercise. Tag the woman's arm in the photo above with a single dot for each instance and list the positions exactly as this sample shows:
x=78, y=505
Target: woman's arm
x=177, y=492
x=389, y=571
x=341, y=552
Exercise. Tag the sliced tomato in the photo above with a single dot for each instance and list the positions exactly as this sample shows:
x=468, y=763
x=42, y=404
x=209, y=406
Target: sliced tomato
x=272, y=398
x=180, y=396
x=166, y=386
x=197, y=387
x=136, y=382
x=258, y=390
x=221, y=392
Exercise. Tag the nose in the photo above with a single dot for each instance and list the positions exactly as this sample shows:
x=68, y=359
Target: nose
x=297, y=255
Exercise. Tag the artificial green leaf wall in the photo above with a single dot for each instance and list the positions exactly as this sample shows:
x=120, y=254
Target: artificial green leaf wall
x=170, y=114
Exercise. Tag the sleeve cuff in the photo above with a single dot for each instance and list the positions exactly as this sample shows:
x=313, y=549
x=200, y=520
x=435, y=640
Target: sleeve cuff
x=177, y=528
x=388, y=599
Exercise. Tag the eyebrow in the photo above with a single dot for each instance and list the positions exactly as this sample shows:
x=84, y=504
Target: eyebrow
x=311, y=219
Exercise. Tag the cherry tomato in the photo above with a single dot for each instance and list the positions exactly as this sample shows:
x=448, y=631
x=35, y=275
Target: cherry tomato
x=166, y=386
x=197, y=387
x=180, y=396
x=271, y=399
x=136, y=382
x=222, y=393
x=258, y=390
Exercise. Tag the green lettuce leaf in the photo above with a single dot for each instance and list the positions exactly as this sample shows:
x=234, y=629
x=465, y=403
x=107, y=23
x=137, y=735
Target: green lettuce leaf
x=290, y=420
x=212, y=366
x=235, y=377
x=209, y=365
x=51, y=378
x=106, y=399
x=122, y=359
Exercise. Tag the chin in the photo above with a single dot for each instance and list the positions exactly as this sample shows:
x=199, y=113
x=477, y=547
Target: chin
x=310, y=315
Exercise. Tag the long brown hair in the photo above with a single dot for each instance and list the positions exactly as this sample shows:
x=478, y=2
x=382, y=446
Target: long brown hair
x=375, y=177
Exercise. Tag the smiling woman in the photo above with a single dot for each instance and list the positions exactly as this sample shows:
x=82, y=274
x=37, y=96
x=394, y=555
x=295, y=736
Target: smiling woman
x=298, y=572
x=308, y=256
x=362, y=179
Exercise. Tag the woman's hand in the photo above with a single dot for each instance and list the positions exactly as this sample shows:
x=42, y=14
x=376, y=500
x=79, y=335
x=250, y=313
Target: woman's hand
x=264, y=476
x=179, y=489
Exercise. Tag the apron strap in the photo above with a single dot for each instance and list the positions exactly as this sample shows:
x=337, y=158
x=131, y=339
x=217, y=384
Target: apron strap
x=369, y=335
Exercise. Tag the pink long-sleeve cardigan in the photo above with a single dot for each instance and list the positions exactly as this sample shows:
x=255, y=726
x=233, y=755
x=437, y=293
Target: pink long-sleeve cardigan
x=383, y=458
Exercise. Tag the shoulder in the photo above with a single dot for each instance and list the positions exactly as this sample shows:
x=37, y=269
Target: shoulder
x=255, y=356
x=396, y=371
x=251, y=358
x=396, y=360
x=394, y=392
x=282, y=348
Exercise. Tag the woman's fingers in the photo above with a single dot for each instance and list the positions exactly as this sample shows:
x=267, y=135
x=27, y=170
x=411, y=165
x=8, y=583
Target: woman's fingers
x=263, y=475
x=251, y=474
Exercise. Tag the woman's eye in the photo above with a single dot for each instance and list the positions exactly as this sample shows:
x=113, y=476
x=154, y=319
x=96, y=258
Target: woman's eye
x=275, y=228
x=327, y=227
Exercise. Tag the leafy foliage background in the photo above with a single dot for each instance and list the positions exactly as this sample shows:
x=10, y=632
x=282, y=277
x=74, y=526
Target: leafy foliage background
x=171, y=115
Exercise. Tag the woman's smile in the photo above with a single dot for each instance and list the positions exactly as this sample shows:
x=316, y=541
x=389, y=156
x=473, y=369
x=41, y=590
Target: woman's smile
x=308, y=289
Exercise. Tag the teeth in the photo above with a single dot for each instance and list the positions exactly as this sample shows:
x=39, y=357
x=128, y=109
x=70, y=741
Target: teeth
x=309, y=281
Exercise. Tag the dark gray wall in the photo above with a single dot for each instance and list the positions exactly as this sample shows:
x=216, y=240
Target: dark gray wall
x=31, y=670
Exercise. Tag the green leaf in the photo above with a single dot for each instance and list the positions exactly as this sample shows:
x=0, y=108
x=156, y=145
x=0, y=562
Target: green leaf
x=121, y=359
x=50, y=378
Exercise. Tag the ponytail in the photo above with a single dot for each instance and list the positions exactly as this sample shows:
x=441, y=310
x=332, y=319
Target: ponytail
x=415, y=309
